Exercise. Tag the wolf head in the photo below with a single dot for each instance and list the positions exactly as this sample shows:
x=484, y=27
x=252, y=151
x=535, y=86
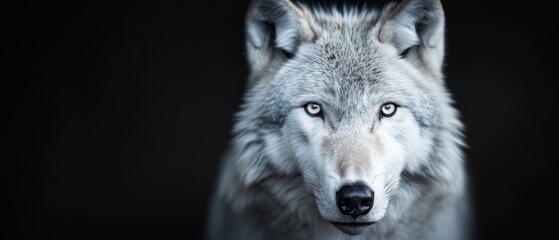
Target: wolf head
x=352, y=101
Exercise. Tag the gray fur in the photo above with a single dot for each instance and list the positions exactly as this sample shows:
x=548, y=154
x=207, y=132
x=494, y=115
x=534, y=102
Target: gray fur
x=279, y=177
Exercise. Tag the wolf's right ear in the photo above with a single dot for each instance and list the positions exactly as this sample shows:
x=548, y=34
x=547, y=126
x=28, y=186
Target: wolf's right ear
x=275, y=28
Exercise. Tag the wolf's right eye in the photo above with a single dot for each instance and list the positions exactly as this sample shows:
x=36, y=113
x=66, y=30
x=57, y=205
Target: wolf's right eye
x=313, y=109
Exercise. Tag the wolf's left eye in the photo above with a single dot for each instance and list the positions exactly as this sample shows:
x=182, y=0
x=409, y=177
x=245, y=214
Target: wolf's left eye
x=313, y=109
x=388, y=109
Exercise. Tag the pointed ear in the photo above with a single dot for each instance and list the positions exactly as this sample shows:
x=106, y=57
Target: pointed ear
x=275, y=29
x=416, y=29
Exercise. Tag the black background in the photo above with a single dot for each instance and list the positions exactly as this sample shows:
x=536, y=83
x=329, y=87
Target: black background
x=116, y=114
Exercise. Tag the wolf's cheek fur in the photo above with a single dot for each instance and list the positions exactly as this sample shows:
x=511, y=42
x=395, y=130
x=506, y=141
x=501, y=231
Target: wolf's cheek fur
x=411, y=145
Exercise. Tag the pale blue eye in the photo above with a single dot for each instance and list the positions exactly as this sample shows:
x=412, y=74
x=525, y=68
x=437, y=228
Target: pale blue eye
x=313, y=109
x=388, y=109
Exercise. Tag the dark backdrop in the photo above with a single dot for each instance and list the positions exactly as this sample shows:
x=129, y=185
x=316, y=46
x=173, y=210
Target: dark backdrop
x=116, y=114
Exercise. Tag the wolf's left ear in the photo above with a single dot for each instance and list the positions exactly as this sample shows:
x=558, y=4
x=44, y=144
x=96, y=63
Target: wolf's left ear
x=416, y=29
x=275, y=29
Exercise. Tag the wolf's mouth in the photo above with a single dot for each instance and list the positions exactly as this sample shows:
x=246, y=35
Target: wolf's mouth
x=353, y=228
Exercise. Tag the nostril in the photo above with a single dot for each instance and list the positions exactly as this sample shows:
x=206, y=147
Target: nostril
x=355, y=200
x=366, y=204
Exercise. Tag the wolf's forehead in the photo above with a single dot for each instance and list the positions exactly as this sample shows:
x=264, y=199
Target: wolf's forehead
x=348, y=16
x=351, y=61
x=348, y=48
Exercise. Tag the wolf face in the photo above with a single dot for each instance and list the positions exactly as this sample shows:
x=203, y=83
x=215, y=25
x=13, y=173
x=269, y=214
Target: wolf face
x=353, y=102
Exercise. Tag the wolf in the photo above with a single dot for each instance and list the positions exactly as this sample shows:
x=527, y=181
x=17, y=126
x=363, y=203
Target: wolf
x=347, y=129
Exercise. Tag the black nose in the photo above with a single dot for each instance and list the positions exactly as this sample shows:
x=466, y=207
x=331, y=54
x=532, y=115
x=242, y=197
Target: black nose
x=355, y=200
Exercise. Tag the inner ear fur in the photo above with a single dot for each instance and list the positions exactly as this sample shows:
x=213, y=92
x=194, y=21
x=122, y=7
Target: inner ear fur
x=275, y=26
x=416, y=29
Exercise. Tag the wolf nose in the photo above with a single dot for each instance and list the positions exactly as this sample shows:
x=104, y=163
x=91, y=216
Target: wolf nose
x=355, y=200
